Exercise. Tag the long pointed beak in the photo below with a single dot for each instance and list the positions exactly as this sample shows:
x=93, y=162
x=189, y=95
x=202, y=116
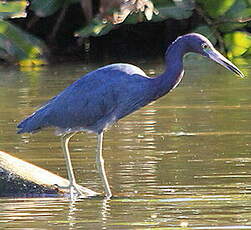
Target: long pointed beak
x=219, y=58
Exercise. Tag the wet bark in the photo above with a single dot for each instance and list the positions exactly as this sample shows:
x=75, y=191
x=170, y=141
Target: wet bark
x=19, y=178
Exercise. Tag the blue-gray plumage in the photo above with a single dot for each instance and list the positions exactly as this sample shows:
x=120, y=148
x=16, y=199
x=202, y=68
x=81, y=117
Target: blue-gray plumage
x=105, y=95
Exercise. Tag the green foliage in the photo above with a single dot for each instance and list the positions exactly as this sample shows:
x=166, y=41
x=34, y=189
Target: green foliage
x=45, y=8
x=95, y=28
x=18, y=46
x=219, y=20
x=13, y=9
x=220, y=17
x=206, y=31
x=216, y=8
x=15, y=44
x=238, y=44
x=238, y=9
x=171, y=10
x=166, y=9
x=225, y=17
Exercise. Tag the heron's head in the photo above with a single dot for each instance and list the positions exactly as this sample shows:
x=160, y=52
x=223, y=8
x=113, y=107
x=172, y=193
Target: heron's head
x=197, y=43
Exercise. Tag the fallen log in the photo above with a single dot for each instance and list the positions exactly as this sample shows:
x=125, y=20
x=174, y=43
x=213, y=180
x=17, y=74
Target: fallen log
x=19, y=178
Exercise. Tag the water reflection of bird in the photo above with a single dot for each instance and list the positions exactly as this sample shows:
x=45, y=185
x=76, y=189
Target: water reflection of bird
x=102, y=97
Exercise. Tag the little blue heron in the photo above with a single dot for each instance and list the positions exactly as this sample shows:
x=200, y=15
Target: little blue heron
x=103, y=96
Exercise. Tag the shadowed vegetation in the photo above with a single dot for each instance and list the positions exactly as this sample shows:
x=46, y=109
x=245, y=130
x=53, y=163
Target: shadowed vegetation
x=31, y=29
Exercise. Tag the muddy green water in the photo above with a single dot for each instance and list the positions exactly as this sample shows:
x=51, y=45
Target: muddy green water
x=182, y=162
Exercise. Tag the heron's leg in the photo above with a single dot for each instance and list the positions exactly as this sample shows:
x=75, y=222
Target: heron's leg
x=64, y=142
x=101, y=167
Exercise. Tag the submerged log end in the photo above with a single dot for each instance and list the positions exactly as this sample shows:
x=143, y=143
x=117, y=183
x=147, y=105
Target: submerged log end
x=20, y=178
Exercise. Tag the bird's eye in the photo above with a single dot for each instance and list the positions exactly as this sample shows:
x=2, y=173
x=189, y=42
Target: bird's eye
x=205, y=46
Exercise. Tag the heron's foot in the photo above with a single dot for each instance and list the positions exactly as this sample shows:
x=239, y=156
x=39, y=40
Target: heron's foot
x=108, y=194
x=73, y=189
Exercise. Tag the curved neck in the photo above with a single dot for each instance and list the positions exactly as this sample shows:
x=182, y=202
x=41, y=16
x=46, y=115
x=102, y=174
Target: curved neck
x=174, y=55
x=173, y=67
